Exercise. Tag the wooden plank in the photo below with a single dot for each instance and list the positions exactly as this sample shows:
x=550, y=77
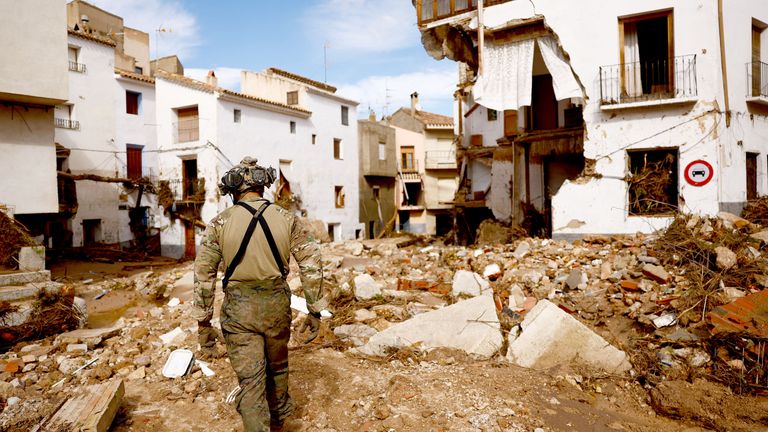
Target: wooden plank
x=92, y=411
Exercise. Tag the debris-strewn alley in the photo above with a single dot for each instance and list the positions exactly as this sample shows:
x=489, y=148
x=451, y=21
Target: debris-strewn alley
x=641, y=333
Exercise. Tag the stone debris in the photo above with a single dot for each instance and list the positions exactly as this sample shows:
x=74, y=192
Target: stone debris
x=551, y=337
x=470, y=284
x=469, y=325
x=366, y=287
x=357, y=334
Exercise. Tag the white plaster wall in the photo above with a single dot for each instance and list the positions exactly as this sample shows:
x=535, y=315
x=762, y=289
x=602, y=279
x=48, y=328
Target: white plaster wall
x=28, y=161
x=271, y=87
x=94, y=149
x=590, y=36
x=321, y=174
x=34, y=65
x=477, y=123
x=170, y=96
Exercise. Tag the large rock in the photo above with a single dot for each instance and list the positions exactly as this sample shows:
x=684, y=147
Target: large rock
x=366, y=287
x=725, y=258
x=551, y=337
x=358, y=334
x=32, y=258
x=471, y=284
x=470, y=325
x=317, y=229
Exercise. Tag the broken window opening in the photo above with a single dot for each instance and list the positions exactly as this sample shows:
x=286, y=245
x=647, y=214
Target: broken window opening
x=339, y=196
x=413, y=191
x=653, y=182
x=492, y=114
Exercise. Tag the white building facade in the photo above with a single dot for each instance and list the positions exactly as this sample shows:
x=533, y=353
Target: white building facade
x=587, y=101
x=203, y=130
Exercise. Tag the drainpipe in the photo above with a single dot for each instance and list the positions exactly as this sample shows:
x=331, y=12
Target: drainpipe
x=723, y=63
x=481, y=37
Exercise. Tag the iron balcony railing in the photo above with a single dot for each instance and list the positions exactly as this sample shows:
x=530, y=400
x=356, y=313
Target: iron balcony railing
x=440, y=160
x=186, y=131
x=76, y=67
x=67, y=124
x=190, y=190
x=648, y=80
x=757, y=79
x=432, y=10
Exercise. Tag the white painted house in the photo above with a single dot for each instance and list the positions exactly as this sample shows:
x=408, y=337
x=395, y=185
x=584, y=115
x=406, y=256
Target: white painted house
x=203, y=130
x=33, y=79
x=561, y=107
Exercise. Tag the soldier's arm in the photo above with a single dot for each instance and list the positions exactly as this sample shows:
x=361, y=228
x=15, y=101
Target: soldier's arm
x=206, y=266
x=306, y=250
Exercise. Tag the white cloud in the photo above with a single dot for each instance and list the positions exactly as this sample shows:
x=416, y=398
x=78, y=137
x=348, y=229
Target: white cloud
x=228, y=77
x=363, y=25
x=385, y=94
x=182, y=31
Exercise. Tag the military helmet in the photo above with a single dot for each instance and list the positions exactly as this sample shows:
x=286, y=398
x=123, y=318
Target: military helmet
x=246, y=176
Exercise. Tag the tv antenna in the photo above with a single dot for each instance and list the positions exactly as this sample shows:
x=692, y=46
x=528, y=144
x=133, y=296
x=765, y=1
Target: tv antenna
x=159, y=30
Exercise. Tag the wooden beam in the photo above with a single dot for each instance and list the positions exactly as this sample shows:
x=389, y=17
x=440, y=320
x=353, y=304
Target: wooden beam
x=92, y=411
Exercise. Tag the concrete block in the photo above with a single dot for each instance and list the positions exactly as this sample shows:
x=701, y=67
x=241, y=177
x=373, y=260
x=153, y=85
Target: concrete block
x=471, y=284
x=32, y=258
x=470, y=325
x=551, y=337
x=366, y=287
x=358, y=334
x=92, y=411
x=21, y=278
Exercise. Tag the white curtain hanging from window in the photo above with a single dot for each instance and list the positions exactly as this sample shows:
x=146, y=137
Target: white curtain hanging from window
x=507, y=76
x=633, y=82
x=563, y=80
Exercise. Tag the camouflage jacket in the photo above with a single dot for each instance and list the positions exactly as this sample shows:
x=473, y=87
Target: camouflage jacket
x=222, y=238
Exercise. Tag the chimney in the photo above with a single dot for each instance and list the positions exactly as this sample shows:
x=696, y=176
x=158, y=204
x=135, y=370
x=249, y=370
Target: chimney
x=211, y=79
x=371, y=115
x=415, y=106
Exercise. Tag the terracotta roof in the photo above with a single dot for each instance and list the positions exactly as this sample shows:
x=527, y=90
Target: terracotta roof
x=92, y=37
x=199, y=85
x=134, y=76
x=305, y=80
x=431, y=119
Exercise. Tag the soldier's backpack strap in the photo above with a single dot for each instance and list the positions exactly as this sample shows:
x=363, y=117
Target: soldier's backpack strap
x=246, y=239
x=268, y=236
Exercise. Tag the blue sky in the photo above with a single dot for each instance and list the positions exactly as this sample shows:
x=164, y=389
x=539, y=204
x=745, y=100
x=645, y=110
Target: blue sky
x=374, y=52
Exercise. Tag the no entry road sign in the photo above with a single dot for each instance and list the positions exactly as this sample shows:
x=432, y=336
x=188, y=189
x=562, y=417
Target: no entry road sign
x=699, y=173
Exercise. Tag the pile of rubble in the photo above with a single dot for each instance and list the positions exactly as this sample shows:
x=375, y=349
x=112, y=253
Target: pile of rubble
x=657, y=309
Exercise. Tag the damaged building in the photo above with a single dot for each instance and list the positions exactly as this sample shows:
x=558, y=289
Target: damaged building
x=426, y=171
x=378, y=171
x=605, y=119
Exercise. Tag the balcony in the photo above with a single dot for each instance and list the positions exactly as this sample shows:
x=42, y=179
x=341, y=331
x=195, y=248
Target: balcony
x=66, y=124
x=440, y=160
x=77, y=67
x=757, y=82
x=428, y=11
x=188, y=190
x=649, y=83
x=186, y=131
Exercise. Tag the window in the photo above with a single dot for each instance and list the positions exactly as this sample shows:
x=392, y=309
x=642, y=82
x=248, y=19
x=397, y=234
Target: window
x=376, y=193
x=139, y=70
x=133, y=160
x=752, y=175
x=382, y=151
x=292, y=98
x=132, y=102
x=492, y=114
x=758, y=69
x=407, y=162
x=653, y=182
x=237, y=115
x=339, y=196
x=73, y=54
x=314, y=139
x=345, y=116
x=293, y=127
x=337, y=150
x=647, y=55
x=188, y=126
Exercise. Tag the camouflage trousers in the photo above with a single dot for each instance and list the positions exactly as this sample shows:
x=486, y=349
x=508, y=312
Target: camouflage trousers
x=256, y=322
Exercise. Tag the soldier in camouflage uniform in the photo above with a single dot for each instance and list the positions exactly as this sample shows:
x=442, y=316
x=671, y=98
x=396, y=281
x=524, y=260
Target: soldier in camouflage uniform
x=256, y=314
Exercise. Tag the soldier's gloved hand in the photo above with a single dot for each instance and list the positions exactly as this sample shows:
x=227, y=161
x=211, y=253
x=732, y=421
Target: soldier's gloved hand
x=311, y=325
x=206, y=336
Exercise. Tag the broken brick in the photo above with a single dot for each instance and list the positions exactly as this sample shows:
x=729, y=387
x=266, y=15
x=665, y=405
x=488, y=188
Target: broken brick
x=630, y=285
